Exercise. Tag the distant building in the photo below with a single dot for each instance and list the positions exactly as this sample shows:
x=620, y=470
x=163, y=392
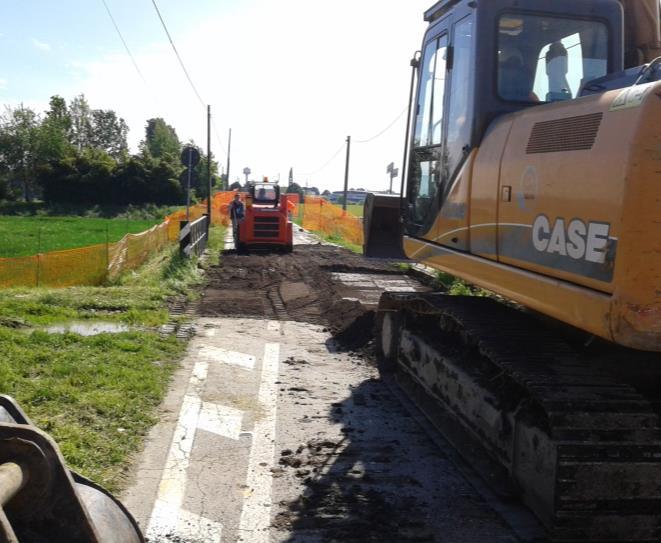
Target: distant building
x=354, y=196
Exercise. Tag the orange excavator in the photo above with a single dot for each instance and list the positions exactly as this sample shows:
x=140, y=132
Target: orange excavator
x=533, y=173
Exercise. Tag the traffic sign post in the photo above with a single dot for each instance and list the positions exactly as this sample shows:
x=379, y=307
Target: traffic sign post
x=393, y=172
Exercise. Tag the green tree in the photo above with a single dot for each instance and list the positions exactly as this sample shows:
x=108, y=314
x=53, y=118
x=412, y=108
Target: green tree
x=108, y=133
x=55, y=132
x=58, y=115
x=161, y=140
x=201, y=169
x=19, y=143
x=81, y=123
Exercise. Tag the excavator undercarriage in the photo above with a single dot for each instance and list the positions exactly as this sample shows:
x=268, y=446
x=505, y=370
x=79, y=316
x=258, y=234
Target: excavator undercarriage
x=582, y=447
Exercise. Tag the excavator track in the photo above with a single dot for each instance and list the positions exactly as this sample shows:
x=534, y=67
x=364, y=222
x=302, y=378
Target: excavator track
x=582, y=447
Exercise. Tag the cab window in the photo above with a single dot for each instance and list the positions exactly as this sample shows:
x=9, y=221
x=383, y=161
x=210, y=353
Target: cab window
x=548, y=59
x=428, y=129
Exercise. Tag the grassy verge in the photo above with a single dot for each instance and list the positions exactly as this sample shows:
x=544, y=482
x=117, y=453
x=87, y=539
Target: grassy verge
x=339, y=240
x=23, y=236
x=97, y=396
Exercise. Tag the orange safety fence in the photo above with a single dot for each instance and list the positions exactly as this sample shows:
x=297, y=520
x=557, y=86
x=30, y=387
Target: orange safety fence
x=319, y=215
x=95, y=264
x=219, y=213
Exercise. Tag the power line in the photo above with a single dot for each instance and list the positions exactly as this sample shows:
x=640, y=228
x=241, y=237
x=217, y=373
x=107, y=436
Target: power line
x=326, y=163
x=384, y=130
x=220, y=141
x=181, y=62
x=128, y=51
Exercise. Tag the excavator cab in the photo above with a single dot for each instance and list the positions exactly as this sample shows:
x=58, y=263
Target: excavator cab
x=480, y=61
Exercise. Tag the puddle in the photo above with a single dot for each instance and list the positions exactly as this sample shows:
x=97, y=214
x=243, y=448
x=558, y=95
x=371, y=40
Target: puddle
x=88, y=328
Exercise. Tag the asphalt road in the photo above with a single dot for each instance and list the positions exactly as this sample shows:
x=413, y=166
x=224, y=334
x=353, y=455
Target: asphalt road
x=274, y=432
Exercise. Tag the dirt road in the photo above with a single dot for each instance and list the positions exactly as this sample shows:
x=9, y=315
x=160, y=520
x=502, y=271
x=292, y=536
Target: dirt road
x=278, y=427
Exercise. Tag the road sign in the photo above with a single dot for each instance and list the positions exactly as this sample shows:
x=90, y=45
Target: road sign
x=393, y=172
x=194, y=179
x=190, y=156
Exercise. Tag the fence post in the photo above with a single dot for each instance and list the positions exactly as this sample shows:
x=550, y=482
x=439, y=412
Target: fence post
x=39, y=256
x=107, y=252
x=185, y=241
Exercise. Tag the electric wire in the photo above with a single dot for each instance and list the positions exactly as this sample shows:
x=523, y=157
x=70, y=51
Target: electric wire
x=174, y=48
x=217, y=134
x=326, y=163
x=384, y=130
x=128, y=51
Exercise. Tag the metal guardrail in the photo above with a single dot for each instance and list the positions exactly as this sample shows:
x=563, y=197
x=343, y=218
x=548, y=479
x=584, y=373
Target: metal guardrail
x=193, y=237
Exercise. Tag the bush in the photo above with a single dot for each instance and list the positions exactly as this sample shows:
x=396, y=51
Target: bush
x=95, y=178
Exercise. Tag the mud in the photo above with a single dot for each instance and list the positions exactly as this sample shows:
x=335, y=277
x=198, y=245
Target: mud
x=303, y=286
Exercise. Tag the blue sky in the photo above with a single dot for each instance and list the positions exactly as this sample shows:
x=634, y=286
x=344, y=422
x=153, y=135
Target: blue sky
x=291, y=77
x=42, y=38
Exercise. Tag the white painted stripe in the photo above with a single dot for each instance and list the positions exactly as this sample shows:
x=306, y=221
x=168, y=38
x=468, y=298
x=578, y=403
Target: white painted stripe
x=192, y=527
x=199, y=375
x=171, y=491
x=256, y=512
x=221, y=420
x=273, y=326
x=233, y=358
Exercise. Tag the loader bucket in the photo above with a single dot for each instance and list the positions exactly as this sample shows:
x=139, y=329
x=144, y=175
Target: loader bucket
x=382, y=226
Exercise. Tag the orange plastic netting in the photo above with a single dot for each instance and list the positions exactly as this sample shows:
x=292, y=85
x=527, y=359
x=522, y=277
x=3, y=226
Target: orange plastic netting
x=320, y=215
x=94, y=264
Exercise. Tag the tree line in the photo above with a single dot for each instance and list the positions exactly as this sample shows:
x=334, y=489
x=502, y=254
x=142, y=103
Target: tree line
x=75, y=154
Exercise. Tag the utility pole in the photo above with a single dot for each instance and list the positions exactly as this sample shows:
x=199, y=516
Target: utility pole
x=346, y=174
x=227, y=171
x=393, y=172
x=209, y=165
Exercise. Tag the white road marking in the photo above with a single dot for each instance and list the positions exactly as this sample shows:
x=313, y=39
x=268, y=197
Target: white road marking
x=171, y=491
x=256, y=512
x=200, y=371
x=221, y=420
x=216, y=354
x=192, y=527
x=273, y=326
x=168, y=518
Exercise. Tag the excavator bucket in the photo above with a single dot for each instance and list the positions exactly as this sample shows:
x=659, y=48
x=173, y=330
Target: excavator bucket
x=42, y=501
x=382, y=226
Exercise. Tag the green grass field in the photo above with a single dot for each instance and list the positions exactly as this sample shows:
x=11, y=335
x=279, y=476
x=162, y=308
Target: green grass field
x=355, y=209
x=24, y=236
x=97, y=396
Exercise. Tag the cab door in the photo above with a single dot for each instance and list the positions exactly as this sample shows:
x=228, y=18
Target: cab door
x=428, y=137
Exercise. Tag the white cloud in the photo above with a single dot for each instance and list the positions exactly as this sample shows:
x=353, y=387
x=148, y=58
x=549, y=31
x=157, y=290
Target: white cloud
x=3, y=84
x=42, y=46
x=291, y=78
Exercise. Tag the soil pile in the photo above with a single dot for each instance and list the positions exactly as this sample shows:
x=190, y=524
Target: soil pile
x=300, y=286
